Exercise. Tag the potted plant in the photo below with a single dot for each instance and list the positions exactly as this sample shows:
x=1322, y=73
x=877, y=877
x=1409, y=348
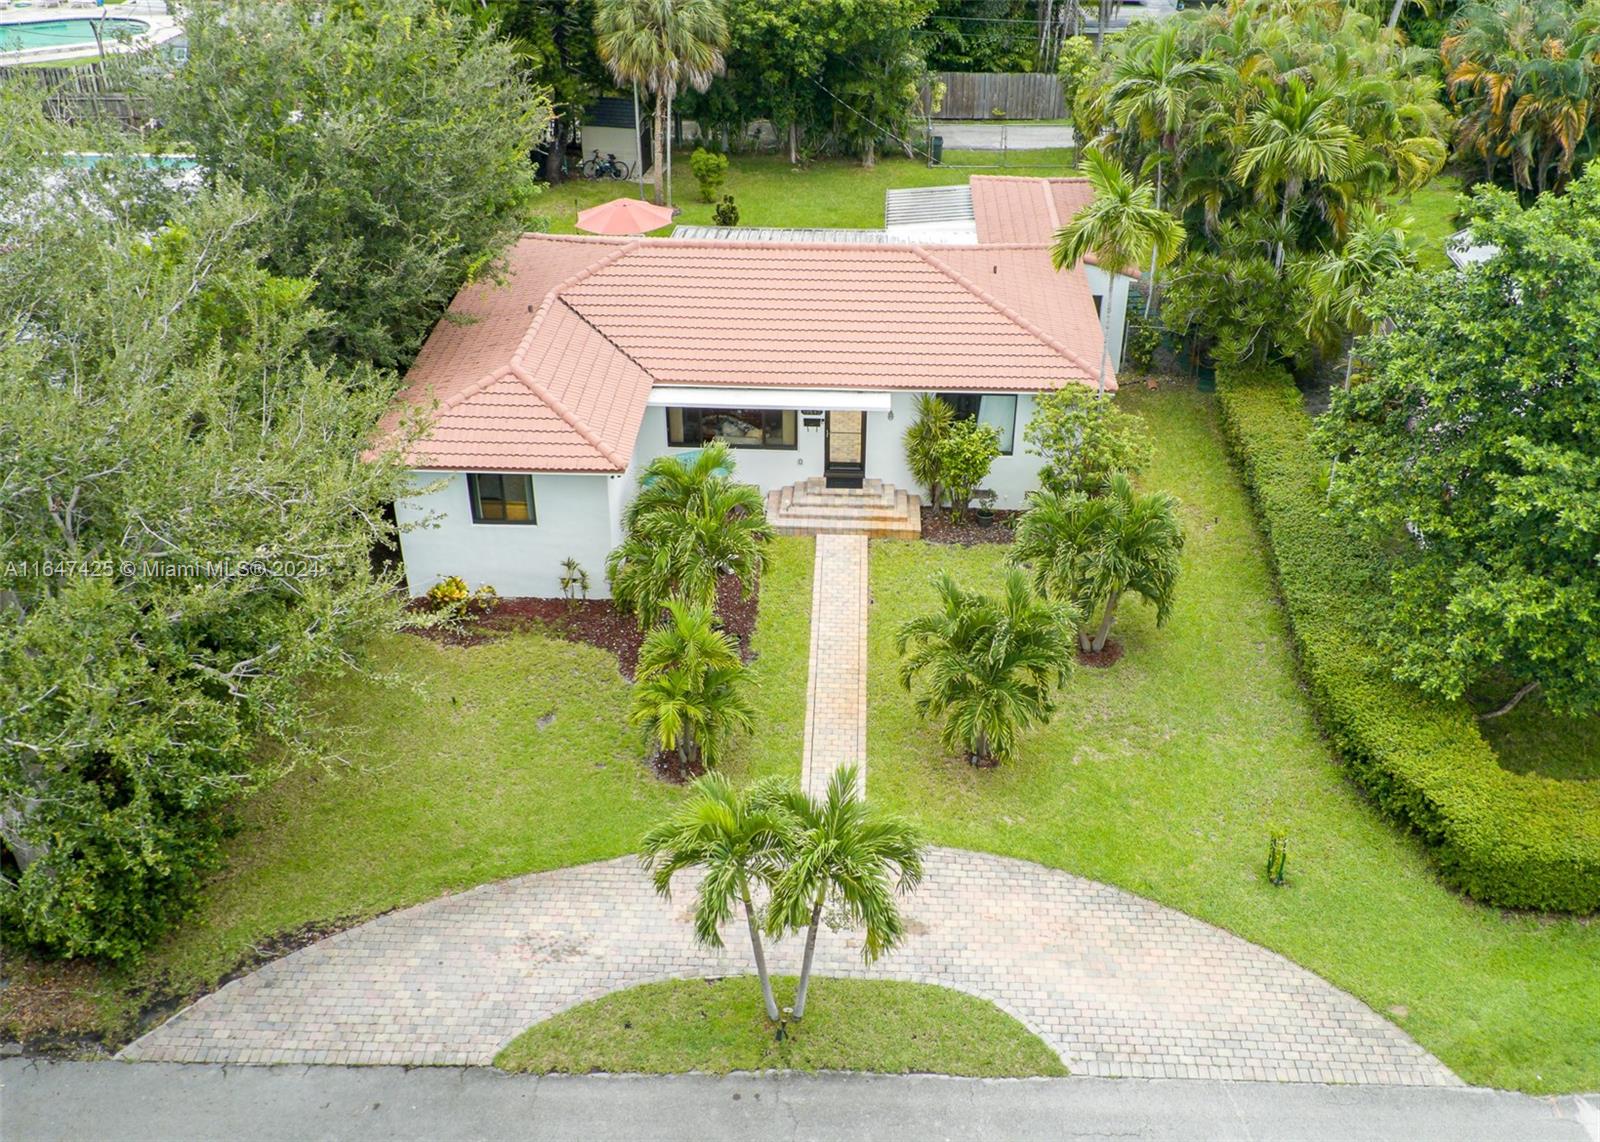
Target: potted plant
x=985, y=498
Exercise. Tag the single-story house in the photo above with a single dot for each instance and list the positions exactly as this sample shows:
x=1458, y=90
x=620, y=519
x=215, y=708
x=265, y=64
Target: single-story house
x=550, y=390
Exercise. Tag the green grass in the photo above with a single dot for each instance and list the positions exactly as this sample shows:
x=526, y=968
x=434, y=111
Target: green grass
x=453, y=780
x=826, y=192
x=1432, y=210
x=1530, y=739
x=718, y=1026
x=1163, y=773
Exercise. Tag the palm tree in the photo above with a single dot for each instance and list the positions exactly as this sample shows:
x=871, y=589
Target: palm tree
x=1091, y=552
x=689, y=526
x=840, y=849
x=990, y=666
x=1121, y=227
x=688, y=696
x=661, y=44
x=739, y=839
x=922, y=441
x=1295, y=137
x=1341, y=283
x=1153, y=90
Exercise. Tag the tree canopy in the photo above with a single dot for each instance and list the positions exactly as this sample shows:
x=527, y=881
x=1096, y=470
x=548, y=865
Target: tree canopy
x=1471, y=452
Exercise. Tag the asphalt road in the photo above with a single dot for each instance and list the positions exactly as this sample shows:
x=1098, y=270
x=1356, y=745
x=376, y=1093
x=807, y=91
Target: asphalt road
x=132, y=1102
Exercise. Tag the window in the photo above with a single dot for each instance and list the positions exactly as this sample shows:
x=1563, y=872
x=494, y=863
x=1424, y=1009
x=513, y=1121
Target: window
x=501, y=499
x=737, y=428
x=998, y=409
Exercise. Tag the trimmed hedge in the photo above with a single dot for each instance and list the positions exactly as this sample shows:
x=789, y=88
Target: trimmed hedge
x=1507, y=839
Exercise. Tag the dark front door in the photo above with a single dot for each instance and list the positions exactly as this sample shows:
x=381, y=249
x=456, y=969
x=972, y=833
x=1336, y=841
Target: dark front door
x=845, y=449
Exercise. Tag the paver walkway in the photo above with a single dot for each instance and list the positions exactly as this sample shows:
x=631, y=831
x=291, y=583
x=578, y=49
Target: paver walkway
x=1117, y=984
x=836, y=695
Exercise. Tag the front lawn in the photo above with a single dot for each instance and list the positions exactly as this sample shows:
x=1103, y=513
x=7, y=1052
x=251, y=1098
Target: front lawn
x=825, y=192
x=717, y=1026
x=1163, y=774
x=476, y=764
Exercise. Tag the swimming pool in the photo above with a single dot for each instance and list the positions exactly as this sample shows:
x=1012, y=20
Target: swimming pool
x=66, y=33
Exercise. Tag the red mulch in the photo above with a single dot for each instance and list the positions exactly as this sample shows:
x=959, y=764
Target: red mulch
x=938, y=527
x=669, y=769
x=1107, y=655
x=596, y=622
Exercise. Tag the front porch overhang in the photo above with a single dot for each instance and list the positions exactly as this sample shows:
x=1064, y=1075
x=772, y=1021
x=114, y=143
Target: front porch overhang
x=824, y=400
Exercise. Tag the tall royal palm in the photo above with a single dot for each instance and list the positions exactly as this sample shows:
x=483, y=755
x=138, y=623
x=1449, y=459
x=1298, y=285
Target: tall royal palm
x=988, y=667
x=1121, y=227
x=1154, y=91
x=1089, y=553
x=662, y=45
x=1296, y=136
x=689, y=526
x=738, y=837
x=840, y=849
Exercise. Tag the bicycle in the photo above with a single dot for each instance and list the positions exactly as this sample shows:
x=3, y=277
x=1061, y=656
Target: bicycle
x=596, y=167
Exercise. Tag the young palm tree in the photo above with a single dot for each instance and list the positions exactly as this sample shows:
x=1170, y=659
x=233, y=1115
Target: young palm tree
x=1296, y=136
x=688, y=696
x=840, y=849
x=1153, y=91
x=1091, y=552
x=688, y=526
x=739, y=838
x=1121, y=227
x=990, y=667
x=661, y=44
x=1340, y=283
x=922, y=441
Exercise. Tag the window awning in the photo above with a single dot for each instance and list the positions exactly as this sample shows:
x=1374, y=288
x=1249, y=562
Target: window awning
x=828, y=400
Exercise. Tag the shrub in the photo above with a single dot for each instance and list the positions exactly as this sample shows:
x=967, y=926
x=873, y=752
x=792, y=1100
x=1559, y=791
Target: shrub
x=923, y=441
x=1507, y=839
x=710, y=169
x=450, y=591
x=574, y=580
x=726, y=213
x=1083, y=438
x=1144, y=338
x=965, y=455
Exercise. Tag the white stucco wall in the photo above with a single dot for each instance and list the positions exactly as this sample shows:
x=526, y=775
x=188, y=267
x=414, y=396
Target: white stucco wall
x=620, y=141
x=1114, y=322
x=575, y=519
x=1011, y=477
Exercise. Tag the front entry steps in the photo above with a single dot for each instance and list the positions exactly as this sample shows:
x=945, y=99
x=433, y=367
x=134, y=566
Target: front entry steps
x=877, y=509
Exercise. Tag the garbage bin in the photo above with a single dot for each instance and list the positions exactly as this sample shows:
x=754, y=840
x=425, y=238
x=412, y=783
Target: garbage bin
x=936, y=150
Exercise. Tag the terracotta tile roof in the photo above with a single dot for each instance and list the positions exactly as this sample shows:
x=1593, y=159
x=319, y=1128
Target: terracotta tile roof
x=1025, y=211
x=551, y=370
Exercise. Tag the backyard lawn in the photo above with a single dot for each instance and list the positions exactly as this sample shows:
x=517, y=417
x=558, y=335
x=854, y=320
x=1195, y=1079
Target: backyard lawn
x=717, y=1026
x=1432, y=210
x=826, y=192
x=1163, y=774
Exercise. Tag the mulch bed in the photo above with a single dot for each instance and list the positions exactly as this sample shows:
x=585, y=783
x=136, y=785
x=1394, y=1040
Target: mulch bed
x=1107, y=655
x=596, y=622
x=938, y=527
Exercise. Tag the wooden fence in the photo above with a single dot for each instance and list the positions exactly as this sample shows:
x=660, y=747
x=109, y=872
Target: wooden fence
x=79, y=94
x=979, y=94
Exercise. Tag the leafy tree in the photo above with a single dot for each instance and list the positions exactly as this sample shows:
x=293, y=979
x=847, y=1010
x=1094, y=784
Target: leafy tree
x=1122, y=226
x=1091, y=552
x=661, y=46
x=966, y=453
x=874, y=75
x=186, y=525
x=739, y=841
x=840, y=850
x=1083, y=438
x=989, y=667
x=924, y=443
x=391, y=139
x=1469, y=453
x=689, y=525
x=689, y=695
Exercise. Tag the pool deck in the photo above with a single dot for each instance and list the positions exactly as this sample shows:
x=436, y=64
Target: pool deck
x=163, y=27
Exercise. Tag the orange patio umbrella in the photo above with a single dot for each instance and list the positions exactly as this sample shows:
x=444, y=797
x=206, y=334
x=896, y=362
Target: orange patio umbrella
x=625, y=216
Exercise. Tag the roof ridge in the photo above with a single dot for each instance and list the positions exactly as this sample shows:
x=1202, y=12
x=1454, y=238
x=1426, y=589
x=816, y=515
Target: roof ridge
x=1050, y=205
x=972, y=287
x=588, y=434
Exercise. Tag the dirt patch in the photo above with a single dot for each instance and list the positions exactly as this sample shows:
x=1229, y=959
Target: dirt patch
x=594, y=622
x=48, y=1006
x=1107, y=655
x=939, y=527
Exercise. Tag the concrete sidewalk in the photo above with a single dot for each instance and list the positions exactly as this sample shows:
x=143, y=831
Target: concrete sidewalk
x=133, y=1102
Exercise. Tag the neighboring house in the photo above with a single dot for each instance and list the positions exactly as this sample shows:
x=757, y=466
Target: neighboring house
x=1463, y=251
x=552, y=390
x=608, y=125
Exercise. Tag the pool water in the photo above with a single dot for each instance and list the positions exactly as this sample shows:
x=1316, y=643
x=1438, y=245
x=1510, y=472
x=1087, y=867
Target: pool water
x=64, y=33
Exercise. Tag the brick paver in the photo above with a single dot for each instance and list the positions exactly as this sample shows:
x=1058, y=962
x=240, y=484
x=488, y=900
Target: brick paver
x=1115, y=983
x=836, y=696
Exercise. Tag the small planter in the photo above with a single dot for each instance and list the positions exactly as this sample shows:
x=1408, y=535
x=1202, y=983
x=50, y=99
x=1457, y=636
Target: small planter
x=985, y=509
x=985, y=517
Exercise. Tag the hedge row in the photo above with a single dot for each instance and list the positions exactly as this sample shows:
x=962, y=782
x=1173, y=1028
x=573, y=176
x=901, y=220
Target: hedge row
x=1503, y=838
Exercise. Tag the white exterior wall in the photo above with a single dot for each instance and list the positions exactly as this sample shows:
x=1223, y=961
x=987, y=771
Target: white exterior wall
x=1011, y=477
x=620, y=141
x=575, y=519
x=1115, y=321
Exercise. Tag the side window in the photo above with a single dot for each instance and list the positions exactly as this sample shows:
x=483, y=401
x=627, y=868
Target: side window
x=501, y=498
x=998, y=409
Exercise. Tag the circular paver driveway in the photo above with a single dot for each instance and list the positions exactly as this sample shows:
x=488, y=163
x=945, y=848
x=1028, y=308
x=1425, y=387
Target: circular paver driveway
x=1117, y=984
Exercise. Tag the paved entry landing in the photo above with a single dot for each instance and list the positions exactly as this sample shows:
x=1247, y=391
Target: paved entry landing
x=836, y=694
